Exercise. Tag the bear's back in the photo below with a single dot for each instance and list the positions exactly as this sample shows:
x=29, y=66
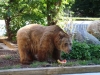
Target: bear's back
x=37, y=30
x=29, y=28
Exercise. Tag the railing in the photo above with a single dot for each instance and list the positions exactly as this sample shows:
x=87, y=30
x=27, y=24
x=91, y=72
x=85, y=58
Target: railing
x=83, y=18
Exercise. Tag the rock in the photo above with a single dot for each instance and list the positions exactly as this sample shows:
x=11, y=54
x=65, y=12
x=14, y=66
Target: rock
x=94, y=29
x=86, y=37
x=80, y=34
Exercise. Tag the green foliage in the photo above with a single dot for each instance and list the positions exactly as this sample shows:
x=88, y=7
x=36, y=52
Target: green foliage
x=86, y=8
x=83, y=51
x=17, y=12
x=68, y=7
x=96, y=61
x=95, y=51
x=84, y=62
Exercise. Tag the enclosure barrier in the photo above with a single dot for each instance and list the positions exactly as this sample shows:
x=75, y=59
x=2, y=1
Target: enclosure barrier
x=51, y=70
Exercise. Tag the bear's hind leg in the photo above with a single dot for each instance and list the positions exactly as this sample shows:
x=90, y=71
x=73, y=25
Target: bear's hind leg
x=25, y=57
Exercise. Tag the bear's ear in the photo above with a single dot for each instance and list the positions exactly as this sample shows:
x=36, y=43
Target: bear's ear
x=61, y=35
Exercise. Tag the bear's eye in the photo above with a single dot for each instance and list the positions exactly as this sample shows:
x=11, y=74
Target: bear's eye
x=66, y=44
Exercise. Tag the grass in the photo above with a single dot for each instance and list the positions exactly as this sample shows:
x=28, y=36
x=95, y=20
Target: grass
x=7, y=57
x=37, y=64
x=10, y=67
x=96, y=61
x=69, y=63
x=83, y=62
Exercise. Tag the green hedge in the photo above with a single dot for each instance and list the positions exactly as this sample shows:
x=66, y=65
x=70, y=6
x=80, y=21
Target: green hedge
x=83, y=51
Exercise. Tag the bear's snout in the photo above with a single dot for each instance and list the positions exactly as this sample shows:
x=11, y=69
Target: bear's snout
x=70, y=50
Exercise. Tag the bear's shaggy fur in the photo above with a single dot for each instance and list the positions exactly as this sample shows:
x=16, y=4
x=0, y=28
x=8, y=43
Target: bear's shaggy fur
x=37, y=42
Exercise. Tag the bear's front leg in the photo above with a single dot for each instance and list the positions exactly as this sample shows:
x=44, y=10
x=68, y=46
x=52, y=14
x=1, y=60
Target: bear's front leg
x=42, y=56
x=44, y=46
x=56, y=55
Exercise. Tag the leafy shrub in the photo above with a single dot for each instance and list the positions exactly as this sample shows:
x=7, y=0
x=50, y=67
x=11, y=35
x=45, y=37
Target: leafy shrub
x=95, y=51
x=83, y=51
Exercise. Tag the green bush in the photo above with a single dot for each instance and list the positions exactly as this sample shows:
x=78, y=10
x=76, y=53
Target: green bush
x=95, y=51
x=83, y=51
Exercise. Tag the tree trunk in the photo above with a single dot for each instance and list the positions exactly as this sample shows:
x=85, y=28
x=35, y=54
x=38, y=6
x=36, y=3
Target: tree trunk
x=7, y=22
x=52, y=12
x=49, y=18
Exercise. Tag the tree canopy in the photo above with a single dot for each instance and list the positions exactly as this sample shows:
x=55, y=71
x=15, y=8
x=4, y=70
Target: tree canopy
x=17, y=12
x=86, y=8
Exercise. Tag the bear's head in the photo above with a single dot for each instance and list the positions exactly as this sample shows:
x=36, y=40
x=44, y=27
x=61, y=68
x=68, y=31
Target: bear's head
x=63, y=42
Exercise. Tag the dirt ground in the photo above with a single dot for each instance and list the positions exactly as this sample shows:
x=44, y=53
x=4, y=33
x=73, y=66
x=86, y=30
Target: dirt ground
x=9, y=57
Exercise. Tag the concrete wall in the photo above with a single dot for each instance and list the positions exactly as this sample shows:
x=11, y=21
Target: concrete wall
x=51, y=70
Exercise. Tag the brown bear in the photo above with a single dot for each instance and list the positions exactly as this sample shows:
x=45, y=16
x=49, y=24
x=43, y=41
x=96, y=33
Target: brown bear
x=37, y=42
